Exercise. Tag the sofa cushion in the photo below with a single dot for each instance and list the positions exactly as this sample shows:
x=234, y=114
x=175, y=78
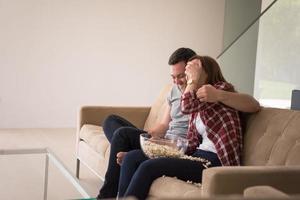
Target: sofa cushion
x=158, y=108
x=263, y=191
x=168, y=187
x=272, y=138
x=93, y=135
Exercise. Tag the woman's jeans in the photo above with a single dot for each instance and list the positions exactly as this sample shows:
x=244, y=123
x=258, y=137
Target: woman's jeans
x=138, y=172
x=123, y=136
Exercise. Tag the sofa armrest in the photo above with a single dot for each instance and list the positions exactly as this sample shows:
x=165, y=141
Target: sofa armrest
x=233, y=180
x=96, y=114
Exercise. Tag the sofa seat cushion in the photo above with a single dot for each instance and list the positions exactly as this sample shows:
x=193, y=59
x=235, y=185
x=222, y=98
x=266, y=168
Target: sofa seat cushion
x=93, y=135
x=264, y=191
x=168, y=187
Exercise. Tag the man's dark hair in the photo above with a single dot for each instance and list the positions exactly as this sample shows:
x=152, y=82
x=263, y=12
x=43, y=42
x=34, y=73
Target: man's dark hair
x=181, y=54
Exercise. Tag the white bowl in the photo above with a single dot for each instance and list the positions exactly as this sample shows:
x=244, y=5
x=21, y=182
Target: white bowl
x=170, y=146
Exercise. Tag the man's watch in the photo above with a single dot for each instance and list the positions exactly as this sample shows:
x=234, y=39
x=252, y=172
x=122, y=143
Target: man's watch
x=191, y=81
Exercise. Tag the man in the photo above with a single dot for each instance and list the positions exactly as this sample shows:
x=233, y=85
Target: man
x=124, y=136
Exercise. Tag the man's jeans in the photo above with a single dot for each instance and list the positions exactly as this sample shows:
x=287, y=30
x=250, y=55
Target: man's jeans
x=123, y=136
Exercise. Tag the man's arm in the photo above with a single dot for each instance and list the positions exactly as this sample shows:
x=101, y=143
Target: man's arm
x=238, y=101
x=161, y=128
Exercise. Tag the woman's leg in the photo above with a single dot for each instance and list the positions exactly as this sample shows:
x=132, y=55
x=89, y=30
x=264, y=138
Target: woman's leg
x=212, y=157
x=131, y=162
x=112, y=123
x=149, y=170
x=124, y=139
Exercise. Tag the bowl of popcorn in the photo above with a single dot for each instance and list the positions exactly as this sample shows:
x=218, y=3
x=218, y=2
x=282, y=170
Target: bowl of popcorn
x=170, y=146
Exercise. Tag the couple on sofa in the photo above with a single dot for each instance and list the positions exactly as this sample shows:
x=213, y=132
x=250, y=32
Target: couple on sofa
x=202, y=106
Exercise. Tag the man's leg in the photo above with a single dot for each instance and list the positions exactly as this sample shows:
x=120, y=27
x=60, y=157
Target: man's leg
x=124, y=139
x=112, y=123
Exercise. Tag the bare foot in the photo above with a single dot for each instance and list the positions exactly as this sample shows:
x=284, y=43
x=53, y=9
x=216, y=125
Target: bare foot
x=120, y=157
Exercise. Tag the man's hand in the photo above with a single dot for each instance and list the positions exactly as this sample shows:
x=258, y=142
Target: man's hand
x=208, y=93
x=155, y=133
x=238, y=101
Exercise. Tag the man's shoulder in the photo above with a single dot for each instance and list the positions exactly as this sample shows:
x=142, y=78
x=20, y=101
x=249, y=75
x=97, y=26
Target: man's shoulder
x=175, y=91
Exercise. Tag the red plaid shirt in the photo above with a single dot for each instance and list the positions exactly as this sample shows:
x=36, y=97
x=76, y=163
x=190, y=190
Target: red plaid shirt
x=222, y=123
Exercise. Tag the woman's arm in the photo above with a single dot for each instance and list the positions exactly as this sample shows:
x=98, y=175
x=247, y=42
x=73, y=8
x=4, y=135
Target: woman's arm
x=238, y=101
x=189, y=101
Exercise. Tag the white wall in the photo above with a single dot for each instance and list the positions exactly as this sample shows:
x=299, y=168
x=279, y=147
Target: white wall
x=56, y=55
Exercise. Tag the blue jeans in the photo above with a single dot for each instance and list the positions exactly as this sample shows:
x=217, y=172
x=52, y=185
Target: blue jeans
x=112, y=123
x=123, y=136
x=138, y=172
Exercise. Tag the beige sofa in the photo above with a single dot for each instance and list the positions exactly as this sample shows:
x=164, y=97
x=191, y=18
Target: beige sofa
x=271, y=152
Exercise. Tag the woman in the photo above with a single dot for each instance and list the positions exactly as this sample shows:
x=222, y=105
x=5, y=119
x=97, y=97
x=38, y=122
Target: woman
x=214, y=134
x=218, y=125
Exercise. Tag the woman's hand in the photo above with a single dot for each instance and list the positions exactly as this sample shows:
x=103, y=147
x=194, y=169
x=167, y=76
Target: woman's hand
x=193, y=70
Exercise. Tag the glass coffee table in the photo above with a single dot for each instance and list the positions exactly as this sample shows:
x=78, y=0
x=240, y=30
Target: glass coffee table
x=36, y=174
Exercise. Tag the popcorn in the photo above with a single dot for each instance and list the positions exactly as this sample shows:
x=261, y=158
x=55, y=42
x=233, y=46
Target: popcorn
x=194, y=183
x=156, y=148
x=206, y=163
x=153, y=150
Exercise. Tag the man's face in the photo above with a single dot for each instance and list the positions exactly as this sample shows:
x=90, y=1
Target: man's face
x=178, y=75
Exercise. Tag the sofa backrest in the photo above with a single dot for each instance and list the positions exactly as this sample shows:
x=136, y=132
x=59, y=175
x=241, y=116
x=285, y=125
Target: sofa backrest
x=158, y=108
x=272, y=137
